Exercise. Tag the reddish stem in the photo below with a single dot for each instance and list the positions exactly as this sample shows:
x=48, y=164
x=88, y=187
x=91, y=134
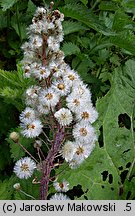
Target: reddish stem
x=44, y=57
x=49, y=163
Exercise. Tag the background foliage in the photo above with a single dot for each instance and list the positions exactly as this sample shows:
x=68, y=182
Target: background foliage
x=99, y=43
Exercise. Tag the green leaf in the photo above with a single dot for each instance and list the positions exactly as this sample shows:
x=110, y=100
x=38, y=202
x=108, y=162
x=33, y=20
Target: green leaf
x=70, y=48
x=119, y=138
x=9, y=92
x=103, y=55
x=3, y=20
x=5, y=193
x=84, y=41
x=16, y=151
x=85, y=2
x=83, y=64
x=7, y=77
x=84, y=15
x=125, y=40
x=14, y=79
x=7, y=118
x=115, y=60
x=71, y=27
x=13, y=86
x=129, y=4
x=6, y=4
x=31, y=9
x=122, y=21
x=4, y=155
x=108, y=5
x=19, y=28
x=70, y=1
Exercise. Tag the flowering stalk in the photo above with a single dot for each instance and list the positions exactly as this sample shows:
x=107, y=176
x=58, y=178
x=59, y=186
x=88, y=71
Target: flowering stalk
x=48, y=165
x=59, y=101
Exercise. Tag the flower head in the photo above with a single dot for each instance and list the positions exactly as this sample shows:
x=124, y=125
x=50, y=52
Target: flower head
x=59, y=196
x=27, y=115
x=32, y=95
x=49, y=97
x=61, y=186
x=61, y=88
x=83, y=132
x=32, y=129
x=40, y=72
x=75, y=102
x=24, y=167
x=87, y=114
x=64, y=116
x=82, y=151
x=67, y=151
x=71, y=78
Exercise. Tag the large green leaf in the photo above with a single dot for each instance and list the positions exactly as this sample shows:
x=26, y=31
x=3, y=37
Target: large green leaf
x=118, y=137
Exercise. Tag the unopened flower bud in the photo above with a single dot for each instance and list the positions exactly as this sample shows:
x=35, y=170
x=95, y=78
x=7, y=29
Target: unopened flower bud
x=14, y=136
x=51, y=4
x=17, y=186
x=37, y=144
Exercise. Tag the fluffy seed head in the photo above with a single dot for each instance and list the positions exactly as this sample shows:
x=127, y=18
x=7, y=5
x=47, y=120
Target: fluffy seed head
x=24, y=167
x=61, y=186
x=59, y=196
x=64, y=116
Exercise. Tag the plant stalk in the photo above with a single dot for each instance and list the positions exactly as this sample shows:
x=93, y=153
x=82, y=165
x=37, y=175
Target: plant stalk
x=48, y=164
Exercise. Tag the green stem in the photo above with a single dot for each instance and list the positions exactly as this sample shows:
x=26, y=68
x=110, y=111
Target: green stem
x=27, y=194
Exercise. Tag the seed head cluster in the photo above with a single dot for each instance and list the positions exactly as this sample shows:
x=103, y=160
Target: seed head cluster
x=58, y=98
